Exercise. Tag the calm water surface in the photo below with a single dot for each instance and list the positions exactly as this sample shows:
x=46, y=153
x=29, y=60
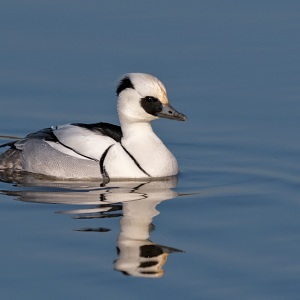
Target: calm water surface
x=228, y=226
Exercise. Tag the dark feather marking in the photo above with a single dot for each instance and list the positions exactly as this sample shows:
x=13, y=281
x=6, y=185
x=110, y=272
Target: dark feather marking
x=135, y=161
x=151, y=105
x=102, y=167
x=10, y=144
x=106, y=129
x=47, y=134
x=44, y=134
x=125, y=83
x=88, y=157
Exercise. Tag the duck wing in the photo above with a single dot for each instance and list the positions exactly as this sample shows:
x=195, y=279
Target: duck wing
x=86, y=141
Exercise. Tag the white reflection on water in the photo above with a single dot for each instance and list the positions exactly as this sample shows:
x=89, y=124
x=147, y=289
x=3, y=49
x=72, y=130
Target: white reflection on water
x=134, y=202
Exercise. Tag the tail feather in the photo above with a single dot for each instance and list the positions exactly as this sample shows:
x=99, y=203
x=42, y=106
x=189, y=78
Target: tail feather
x=11, y=159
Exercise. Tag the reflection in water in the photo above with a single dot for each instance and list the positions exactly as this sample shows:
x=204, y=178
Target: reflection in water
x=135, y=202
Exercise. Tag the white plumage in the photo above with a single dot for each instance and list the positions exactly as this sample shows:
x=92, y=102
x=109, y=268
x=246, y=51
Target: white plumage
x=104, y=150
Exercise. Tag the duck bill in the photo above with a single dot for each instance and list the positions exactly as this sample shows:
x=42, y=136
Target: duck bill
x=169, y=112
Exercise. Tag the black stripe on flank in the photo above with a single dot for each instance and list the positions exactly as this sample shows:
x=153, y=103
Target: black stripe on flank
x=135, y=161
x=102, y=167
x=125, y=83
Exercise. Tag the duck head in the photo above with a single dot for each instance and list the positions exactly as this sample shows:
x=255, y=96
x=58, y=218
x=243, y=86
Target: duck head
x=143, y=98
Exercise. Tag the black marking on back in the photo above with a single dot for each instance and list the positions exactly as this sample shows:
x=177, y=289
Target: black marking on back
x=125, y=83
x=107, y=129
x=135, y=161
x=9, y=144
x=151, y=105
x=44, y=134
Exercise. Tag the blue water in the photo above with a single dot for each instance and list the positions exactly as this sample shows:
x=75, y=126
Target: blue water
x=229, y=228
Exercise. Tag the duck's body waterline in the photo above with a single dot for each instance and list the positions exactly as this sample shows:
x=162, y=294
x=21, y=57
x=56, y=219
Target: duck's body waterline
x=103, y=150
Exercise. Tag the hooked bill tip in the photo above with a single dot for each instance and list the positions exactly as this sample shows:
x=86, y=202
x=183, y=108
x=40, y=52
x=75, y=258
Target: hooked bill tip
x=181, y=117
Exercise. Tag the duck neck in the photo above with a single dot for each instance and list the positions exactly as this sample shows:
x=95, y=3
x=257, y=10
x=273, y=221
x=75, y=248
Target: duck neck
x=131, y=129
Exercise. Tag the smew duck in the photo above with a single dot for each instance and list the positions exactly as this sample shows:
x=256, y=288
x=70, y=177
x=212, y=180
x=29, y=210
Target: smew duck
x=103, y=150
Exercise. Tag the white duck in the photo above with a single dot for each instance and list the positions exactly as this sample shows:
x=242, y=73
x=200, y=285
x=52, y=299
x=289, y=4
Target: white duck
x=103, y=150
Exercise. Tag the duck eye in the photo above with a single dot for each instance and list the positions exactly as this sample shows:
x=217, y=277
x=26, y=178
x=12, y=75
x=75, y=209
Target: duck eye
x=151, y=99
x=151, y=105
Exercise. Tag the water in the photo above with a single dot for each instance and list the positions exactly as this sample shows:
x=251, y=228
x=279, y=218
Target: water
x=229, y=227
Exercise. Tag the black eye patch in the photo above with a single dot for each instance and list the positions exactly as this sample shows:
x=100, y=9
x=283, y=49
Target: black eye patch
x=151, y=105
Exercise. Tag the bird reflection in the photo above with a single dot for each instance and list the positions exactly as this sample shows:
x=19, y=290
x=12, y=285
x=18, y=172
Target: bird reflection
x=134, y=202
x=138, y=256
